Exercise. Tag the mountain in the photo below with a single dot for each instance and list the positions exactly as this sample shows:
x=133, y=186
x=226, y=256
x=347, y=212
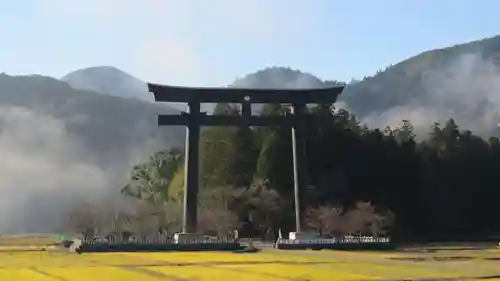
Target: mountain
x=401, y=83
x=461, y=81
x=280, y=77
x=105, y=125
x=108, y=80
x=59, y=146
x=64, y=141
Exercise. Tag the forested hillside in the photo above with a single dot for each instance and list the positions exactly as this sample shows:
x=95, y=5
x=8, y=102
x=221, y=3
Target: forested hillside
x=364, y=177
x=442, y=188
x=441, y=183
x=461, y=81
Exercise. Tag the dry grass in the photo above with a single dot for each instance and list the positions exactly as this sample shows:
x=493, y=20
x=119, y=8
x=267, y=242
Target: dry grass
x=34, y=240
x=268, y=265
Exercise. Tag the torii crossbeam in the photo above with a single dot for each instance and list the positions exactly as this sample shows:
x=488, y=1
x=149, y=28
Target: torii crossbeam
x=194, y=119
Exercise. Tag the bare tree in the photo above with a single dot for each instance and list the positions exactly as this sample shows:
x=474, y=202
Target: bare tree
x=264, y=206
x=215, y=214
x=383, y=223
x=157, y=218
x=84, y=219
x=115, y=221
x=145, y=222
x=169, y=218
x=359, y=220
x=327, y=220
x=218, y=221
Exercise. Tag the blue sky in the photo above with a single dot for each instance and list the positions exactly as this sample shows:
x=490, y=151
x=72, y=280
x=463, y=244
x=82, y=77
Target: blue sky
x=210, y=42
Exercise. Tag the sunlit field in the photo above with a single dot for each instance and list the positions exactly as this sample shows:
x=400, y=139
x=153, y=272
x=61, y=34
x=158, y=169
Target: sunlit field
x=444, y=264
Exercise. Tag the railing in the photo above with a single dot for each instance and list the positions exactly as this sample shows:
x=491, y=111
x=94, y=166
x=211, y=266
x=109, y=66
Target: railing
x=158, y=241
x=334, y=240
x=339, y=243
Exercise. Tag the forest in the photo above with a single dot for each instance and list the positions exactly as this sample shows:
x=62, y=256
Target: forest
x=443, y=186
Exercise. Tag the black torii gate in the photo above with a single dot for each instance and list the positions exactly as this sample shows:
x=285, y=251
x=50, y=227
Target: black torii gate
x=194, y=119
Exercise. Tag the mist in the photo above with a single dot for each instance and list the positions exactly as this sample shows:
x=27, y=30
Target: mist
x=44, y=171
x=46, y=168
x=467, y=90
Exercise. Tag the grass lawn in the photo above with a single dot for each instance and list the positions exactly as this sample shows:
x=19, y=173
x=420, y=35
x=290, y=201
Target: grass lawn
x=33, y=240
x=442, y=264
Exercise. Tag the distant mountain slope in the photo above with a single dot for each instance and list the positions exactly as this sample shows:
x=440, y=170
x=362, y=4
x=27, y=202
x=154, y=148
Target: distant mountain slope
x=281, y=77
x=108, y=80
x=461, y=81
x=60, y=146
x=106, y=125
x=278, y=77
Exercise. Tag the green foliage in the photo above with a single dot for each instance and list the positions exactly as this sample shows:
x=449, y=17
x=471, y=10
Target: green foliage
x=228, y=153
x=443, y=186
x=149, y=181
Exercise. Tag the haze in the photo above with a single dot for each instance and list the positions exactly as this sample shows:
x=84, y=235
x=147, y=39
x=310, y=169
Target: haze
x=210, y=42
x=45, y=169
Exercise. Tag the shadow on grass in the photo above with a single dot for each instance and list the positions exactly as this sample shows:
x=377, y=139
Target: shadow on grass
x=422, y=259
x=446, y=279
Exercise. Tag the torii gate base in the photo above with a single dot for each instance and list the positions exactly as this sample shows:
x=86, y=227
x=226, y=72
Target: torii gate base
x=194, y=119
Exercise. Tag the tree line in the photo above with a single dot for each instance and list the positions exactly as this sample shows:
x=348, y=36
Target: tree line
x=360, y=181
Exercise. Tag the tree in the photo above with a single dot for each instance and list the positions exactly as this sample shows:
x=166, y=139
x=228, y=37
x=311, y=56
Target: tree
x=215, y=210
x=346, y=120
x=326, y=220
x=404, y=133
x=219, y=197
x=432, y=186
x=155, y=218
x=170, y=218
x=383, y=223
x=265, y=207
x=84, y=220
x=273, y=152
x=150, y=180
x=359, y=219
x=218, y=221
x=116, y=222
x=228, y=153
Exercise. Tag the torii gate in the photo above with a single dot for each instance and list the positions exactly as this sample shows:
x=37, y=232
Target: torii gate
x=194, y=119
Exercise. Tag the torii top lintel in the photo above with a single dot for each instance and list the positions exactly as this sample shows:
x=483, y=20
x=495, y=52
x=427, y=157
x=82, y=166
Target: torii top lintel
x=165, y=93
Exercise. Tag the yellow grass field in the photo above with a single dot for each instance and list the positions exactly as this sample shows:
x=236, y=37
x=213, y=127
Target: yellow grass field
x=271, y=265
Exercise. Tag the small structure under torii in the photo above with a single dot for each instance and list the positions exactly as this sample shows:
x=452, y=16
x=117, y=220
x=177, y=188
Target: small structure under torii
x=194, y=119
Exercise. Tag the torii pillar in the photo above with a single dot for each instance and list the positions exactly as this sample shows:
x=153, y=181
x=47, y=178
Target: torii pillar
x=299, y=160
x=191, y=170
